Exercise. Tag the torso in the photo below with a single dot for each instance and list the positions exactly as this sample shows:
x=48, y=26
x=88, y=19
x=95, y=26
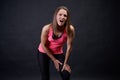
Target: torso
x=55, y=45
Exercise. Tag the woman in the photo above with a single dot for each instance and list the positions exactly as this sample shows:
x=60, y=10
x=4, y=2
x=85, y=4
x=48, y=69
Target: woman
x=53, y=37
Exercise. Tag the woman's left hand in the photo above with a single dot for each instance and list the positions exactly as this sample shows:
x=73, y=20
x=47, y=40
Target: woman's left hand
x=66, y=67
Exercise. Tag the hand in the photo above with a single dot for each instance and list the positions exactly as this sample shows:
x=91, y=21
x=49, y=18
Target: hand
x=66, y=67
x=56, y=63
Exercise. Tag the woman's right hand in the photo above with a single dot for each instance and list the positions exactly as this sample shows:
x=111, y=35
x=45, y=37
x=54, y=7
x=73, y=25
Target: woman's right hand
x=56, y=63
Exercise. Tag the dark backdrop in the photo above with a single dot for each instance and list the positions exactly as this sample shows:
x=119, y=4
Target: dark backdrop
x=96, y=44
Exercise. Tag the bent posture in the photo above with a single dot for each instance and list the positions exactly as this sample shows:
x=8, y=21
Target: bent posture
x=53, y=38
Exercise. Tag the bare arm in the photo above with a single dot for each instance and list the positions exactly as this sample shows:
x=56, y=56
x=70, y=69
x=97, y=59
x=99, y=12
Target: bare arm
x=44, y=42
x=69, y=43
x=69, y=48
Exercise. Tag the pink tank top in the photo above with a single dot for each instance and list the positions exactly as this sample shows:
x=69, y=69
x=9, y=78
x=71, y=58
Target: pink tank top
x=55, y=45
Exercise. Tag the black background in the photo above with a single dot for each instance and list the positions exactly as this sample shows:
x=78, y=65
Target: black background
x=96, y=46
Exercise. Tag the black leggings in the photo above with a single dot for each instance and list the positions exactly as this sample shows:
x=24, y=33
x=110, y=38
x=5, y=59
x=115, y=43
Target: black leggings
x=44, y=60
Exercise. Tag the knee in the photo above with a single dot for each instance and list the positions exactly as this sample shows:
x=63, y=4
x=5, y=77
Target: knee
x=65, y=75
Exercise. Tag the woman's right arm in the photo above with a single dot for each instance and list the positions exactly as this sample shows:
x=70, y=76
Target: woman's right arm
x=44, y=42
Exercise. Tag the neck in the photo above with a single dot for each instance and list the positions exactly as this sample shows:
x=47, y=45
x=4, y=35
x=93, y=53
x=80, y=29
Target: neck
x=60, y=28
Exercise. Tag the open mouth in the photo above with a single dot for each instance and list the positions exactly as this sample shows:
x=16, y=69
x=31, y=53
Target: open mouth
x=61, y=21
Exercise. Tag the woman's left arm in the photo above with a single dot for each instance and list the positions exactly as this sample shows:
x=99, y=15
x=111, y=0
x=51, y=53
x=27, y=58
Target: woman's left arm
x=69, y=46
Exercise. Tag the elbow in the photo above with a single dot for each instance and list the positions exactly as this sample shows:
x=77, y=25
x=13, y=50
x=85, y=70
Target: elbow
x=43, y=45
x=70, y=48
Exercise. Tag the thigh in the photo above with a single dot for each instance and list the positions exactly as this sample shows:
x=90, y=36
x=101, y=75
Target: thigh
x=61, y=58
x=43, y=62
x=64, y=74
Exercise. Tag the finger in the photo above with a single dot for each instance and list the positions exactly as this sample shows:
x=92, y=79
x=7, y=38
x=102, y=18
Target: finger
x=60, y=63
x=63, y=68
x=57, y=66
x=68, y=69
x=57, y=69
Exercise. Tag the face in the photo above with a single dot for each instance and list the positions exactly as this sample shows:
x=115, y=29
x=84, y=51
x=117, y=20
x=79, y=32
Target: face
x=61, y=17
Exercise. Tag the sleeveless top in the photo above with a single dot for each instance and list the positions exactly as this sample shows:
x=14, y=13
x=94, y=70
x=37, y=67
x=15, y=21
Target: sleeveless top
x=55, y=45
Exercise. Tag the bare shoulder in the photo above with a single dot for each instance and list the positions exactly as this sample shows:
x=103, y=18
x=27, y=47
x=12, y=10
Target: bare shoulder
x=72, y=28
x=46, y=28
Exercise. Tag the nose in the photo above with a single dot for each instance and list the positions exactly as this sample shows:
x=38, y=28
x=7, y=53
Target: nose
x=62, y=16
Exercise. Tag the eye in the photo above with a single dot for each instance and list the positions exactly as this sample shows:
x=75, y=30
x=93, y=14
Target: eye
x=60, y=14
x=65, y=15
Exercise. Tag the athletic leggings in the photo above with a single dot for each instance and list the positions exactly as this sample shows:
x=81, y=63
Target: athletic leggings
x=44, y=60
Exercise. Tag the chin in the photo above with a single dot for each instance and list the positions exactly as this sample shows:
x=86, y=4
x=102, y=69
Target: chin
x=60, y=24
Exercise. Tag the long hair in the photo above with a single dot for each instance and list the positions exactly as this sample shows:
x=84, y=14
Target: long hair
x=67, y=23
